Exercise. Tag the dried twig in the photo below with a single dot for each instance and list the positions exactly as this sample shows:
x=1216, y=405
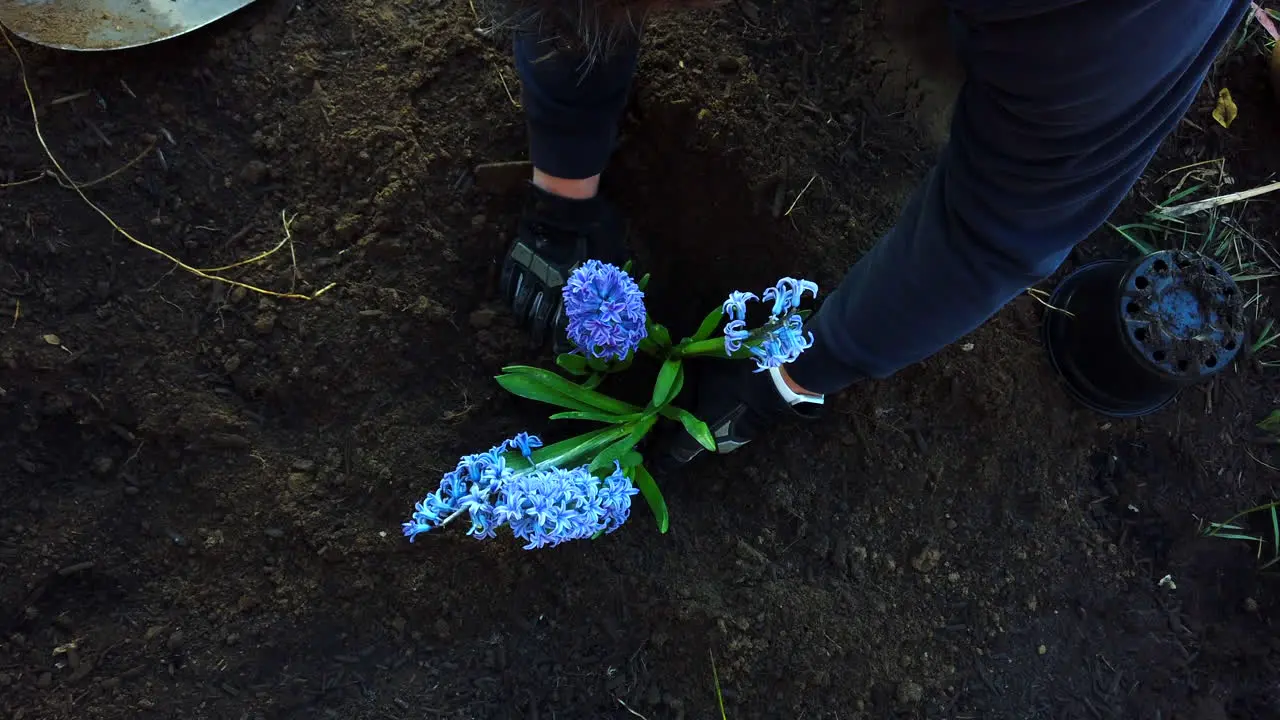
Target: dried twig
x=66, y=180
x=800, y=195
x=1185, y=209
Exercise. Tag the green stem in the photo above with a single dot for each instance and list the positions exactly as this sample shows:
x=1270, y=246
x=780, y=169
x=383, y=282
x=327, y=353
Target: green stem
x=709, y=347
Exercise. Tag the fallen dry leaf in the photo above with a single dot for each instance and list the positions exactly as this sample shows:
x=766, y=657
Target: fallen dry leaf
x=1225, y=112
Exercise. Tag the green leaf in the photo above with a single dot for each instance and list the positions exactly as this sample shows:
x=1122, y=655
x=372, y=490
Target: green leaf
x=595, y=417
x=671, y=369
x=709, y=324
x=572, y=364
x=529, y=388
x=623, y=364
x=594, y=381
x=620, y=448
x=652, y=495
x=626, y=267
x=601, y=365
x=631, y=460
x=658, y=334
x=589, y=396
x=575, y=450
x=692, y=425
x=1271, y=423
x=643, y=283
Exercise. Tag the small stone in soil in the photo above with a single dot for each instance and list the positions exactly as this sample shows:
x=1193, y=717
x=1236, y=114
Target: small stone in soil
x=103, y=465
x=175, y=640
x=254, y=172
x=482, y=318
x=264, y=323
x=45, y=680
x=728, y=64
x=927, y=560
x=910, y=693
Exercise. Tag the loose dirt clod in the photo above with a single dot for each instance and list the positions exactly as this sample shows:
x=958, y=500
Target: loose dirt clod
x=910, y=693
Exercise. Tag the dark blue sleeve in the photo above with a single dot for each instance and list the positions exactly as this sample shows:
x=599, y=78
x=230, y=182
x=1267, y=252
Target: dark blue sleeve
x=1061, y=112
x=572, y=107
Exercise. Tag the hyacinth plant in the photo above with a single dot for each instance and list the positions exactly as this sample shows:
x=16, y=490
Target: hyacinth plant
x=608, y=324
x=525, y=487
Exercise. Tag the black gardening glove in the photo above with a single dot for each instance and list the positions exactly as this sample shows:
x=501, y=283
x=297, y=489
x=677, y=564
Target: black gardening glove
x=555, y=235
x=739, y=405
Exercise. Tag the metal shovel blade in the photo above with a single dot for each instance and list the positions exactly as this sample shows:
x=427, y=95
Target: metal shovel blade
x=109, y=24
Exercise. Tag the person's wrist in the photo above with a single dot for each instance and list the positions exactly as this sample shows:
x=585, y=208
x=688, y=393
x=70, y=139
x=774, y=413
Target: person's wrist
x=791, y=391
x=568, y=188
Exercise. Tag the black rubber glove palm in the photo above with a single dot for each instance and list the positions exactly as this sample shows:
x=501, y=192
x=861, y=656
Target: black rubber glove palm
x=555, y=235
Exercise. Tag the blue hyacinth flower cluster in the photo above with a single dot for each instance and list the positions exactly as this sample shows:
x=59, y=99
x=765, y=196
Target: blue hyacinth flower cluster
x=782, y=338
x=605, y=309
x=542, y=506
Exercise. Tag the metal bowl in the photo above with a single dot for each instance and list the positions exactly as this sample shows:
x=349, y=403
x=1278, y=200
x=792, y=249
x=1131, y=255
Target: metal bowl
x=109, y=24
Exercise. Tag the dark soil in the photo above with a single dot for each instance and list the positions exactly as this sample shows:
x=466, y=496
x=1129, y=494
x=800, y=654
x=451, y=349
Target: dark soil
x=202, y=486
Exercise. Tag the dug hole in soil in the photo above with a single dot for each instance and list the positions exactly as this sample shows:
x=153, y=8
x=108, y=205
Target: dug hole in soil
x=202, y=486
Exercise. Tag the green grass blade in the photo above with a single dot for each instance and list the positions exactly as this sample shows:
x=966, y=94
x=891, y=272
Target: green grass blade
x=1250, y=278
x=1234, y=536
x=1142, y=247
x=1265, y=338
x=1224, y=526
x=1275, y=530
x=715, y=678
x=1181, y=194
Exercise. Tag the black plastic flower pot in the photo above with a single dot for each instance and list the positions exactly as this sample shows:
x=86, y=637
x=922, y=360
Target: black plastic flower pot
x=1126, y=337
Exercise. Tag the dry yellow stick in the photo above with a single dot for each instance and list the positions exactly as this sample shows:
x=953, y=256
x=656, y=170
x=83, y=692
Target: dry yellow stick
x=1177, y=211
x=800, y=195
x=16, y=183
x=63, y=176
x=1036, y=294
